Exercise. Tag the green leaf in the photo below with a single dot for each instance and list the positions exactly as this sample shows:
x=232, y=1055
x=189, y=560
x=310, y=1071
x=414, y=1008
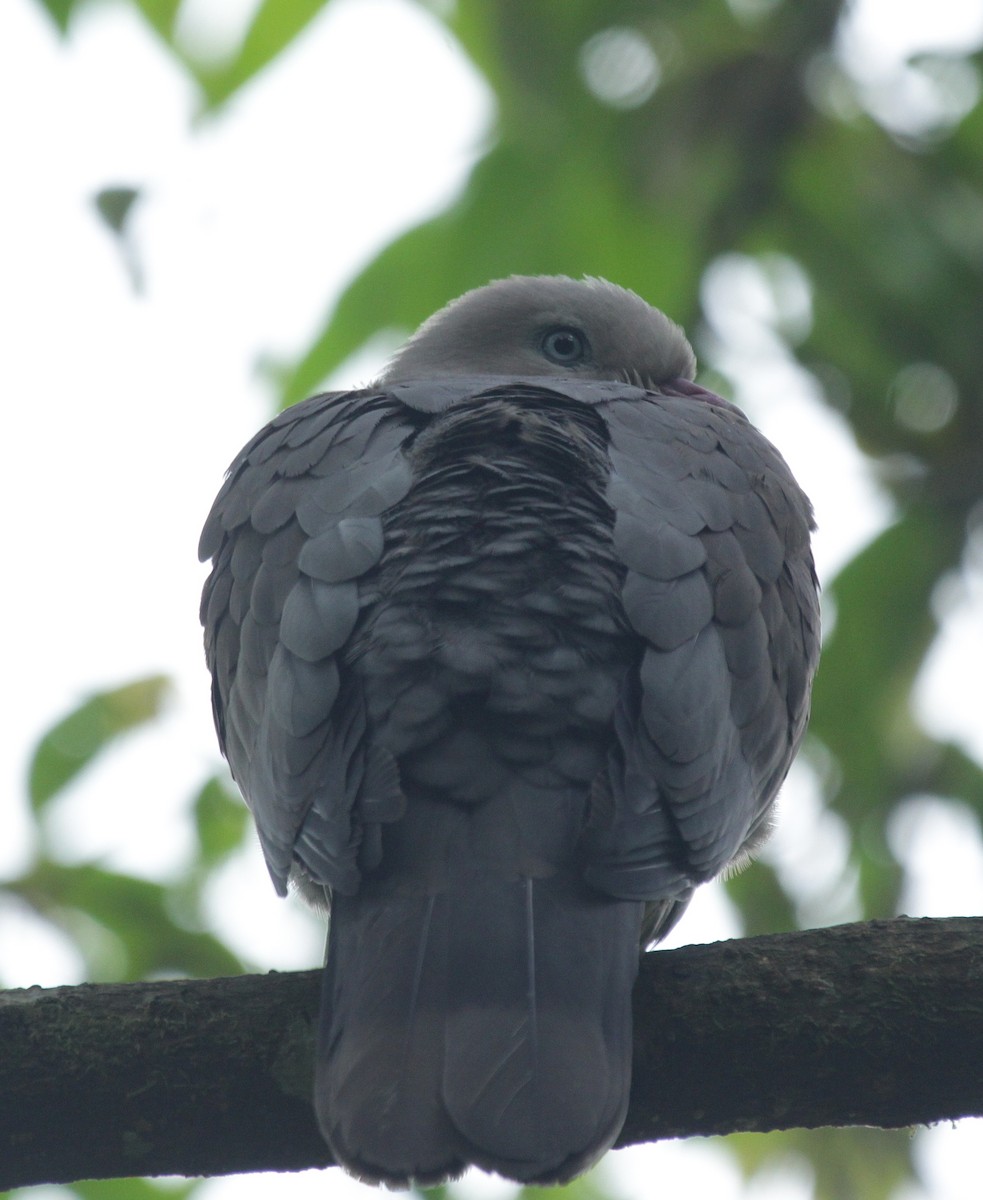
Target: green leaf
x=862, y=698
x=954, y=773
x=761, y=900
x=114, y=205
x=276, y=24
x=125, y=928
x=115, y=1189
x=81, y=736
x=60, y=11
x=221, y=819
x=161, y=15
x=846, y=1163
x=133, y=1189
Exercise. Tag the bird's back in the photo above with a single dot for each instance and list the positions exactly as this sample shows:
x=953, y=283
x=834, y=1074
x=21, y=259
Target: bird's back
x=479, y=990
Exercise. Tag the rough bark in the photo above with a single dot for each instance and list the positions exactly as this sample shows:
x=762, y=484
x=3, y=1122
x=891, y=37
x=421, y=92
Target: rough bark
x=869, y=1024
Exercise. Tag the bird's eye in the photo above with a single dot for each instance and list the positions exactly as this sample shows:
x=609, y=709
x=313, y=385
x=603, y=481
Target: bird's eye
x=564, y=346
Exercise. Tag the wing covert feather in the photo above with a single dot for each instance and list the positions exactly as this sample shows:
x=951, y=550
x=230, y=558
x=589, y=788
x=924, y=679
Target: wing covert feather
x=714, y=533
x=293, y=529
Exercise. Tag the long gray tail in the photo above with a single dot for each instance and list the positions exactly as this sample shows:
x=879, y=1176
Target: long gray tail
x=488, y=1022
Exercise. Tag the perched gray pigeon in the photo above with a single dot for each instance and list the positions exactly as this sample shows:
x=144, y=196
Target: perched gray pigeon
x=511, y=650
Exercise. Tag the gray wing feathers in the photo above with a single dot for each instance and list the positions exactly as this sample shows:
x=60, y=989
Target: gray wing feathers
x=292, y=530
x=714, y=532
x=318, y=618
x=668, y=613
x=344, y=551
x=655, y=548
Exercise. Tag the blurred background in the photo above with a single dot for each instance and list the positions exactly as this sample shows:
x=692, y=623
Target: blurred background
x=212, y=208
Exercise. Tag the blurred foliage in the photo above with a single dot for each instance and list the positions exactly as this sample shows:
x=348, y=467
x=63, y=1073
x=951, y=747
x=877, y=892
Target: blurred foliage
x=115, y=207
x=75, y=741
x=125, y=927
x=644, y=142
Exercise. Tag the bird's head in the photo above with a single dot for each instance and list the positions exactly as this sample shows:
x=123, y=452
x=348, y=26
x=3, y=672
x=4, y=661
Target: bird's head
x=549, y=325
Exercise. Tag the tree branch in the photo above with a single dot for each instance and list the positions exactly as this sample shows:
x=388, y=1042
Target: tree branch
x=869, y=1024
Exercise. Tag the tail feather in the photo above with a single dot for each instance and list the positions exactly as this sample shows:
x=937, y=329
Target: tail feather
x=489, y=1023
x=381, y=1043
x=539, y=1027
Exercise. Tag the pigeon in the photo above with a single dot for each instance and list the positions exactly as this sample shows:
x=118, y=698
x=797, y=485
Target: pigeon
x=511, y=650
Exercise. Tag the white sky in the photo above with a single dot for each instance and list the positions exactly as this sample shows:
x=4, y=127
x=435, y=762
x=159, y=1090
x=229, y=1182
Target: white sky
x=123, y=413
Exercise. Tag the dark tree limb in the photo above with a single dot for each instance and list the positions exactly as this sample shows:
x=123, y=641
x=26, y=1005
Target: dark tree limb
x=869, y=1024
